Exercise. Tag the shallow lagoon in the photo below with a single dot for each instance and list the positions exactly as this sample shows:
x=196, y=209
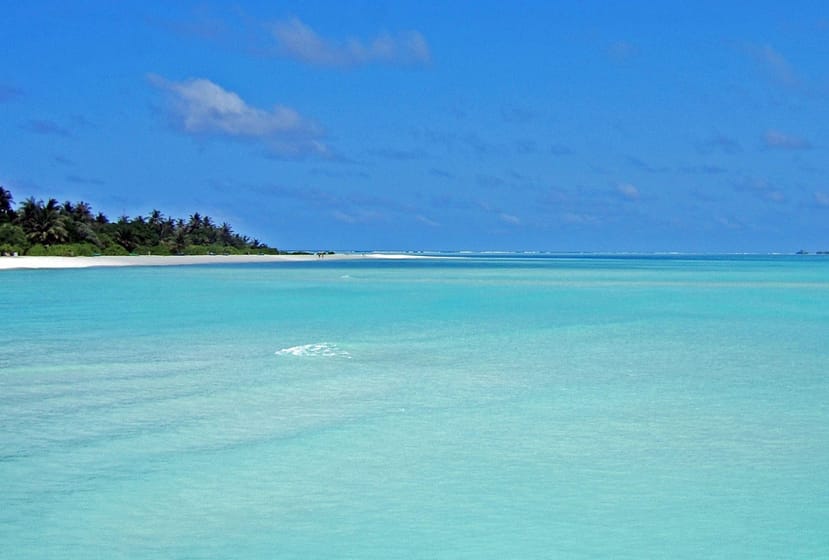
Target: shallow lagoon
x=483, y=407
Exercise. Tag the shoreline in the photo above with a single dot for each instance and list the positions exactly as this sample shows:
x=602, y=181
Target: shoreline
x=36, y=263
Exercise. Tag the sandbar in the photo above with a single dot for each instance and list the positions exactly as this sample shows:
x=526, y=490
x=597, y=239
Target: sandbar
x=10, y=263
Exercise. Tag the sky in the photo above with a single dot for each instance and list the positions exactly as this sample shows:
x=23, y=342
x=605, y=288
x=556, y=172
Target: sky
x=408, y=125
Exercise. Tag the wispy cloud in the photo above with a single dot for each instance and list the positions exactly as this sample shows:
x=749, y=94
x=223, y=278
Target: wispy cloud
x=560, y=150
x=628, y=191
x=489, y=181
x=822, y=199
x=774, y=65
x=478, y=145
x=518, y=114
x=622, y=51
x=729, y=222
x=442, y=173
x=9, y=93
x=340, y=173
x=644, y=166
x=46, y=126
x=201, y=24
x=509, y=219
x=575, y=218
x=774, y=139
x=761, y=188
x=400, y=154
x=84, y=180
x=346, y=207
x=526, y=147
x=719, y=143
x=443, y=201
x=424, y=220
x=300, y=42
x=200, y=107
x=357, y=216
x=703, y=170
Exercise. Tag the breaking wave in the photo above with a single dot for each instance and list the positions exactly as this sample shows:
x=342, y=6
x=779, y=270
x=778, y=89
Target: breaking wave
x=325, y=349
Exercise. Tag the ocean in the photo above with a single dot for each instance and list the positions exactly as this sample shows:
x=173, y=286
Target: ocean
x=486, y=406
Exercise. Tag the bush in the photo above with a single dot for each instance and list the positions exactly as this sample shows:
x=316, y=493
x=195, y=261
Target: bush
x=196, y=250
x=37, y=250
x=154, y=250
x=115, y=250
x=12, y=239
x=72, y=250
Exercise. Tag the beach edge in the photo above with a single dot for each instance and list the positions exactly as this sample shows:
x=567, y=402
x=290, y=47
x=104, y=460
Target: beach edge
x=27, y=262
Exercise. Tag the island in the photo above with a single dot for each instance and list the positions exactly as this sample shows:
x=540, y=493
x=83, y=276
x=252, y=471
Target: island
x=54, y=229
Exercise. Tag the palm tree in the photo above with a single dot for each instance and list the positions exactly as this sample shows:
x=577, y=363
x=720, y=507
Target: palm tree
x=226, y=234
x=168, y=229
x=6, y=212
x=78, y=221
x=83, y=213
x=180, y=241
x=155, y=224
x=209, y=232
x=195, y=222
x=43, y=224
x=54, y=223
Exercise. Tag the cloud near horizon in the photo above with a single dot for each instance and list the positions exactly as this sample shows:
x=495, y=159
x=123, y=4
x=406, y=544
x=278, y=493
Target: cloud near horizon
x=44, y=126
x=300, y=42
x=761, y=188
x=719, y=143
x=628, y=191
x=9, y=93
x=509, y=219
x=774, y=139
x=200, y=107
x=622, y=51
x=775, y=65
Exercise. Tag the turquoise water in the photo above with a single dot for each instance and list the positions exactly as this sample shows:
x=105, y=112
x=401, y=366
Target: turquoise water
x=473, y=408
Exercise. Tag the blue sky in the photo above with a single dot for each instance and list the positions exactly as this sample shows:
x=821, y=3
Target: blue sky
x=562, y=126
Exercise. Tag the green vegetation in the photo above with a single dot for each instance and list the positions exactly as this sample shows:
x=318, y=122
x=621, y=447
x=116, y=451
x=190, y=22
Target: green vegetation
x=55, y=229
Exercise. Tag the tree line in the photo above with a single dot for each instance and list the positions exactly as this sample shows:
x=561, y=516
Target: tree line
x=73, y=229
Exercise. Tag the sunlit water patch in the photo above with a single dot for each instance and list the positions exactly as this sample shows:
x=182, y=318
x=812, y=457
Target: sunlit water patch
x=319, y=349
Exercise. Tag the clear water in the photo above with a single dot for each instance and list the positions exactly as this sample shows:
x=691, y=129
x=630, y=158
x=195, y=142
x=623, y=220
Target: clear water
x=473, y=408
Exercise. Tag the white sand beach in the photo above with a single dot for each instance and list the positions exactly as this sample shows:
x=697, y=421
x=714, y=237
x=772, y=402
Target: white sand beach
x=9, y=263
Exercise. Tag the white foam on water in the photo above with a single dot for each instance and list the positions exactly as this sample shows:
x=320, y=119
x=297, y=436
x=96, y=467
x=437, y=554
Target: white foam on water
x=324, y=349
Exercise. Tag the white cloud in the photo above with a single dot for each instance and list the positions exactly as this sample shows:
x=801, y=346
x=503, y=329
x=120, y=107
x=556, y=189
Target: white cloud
x=580, y=219
x=775, y=65
x=357, y=216
x=729, y=223
x=621, y=51
x=509, y=219
x=628, y=191
x=298, y=41
x=201, y=107
x=762, y=189
x=781, y=141
x=775, y=196
x=424, y=220
x=9, y=93
x=341, y=216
